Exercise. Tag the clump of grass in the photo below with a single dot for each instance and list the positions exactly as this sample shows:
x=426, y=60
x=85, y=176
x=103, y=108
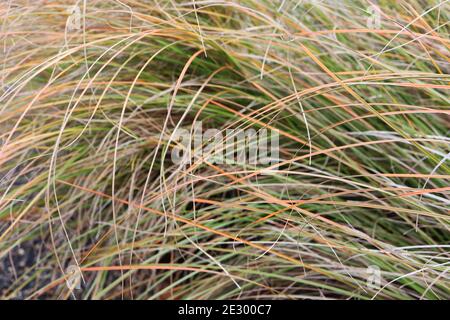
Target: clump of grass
x=87, y=112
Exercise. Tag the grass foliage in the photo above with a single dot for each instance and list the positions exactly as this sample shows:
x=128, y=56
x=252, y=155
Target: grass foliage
x=86, y=122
